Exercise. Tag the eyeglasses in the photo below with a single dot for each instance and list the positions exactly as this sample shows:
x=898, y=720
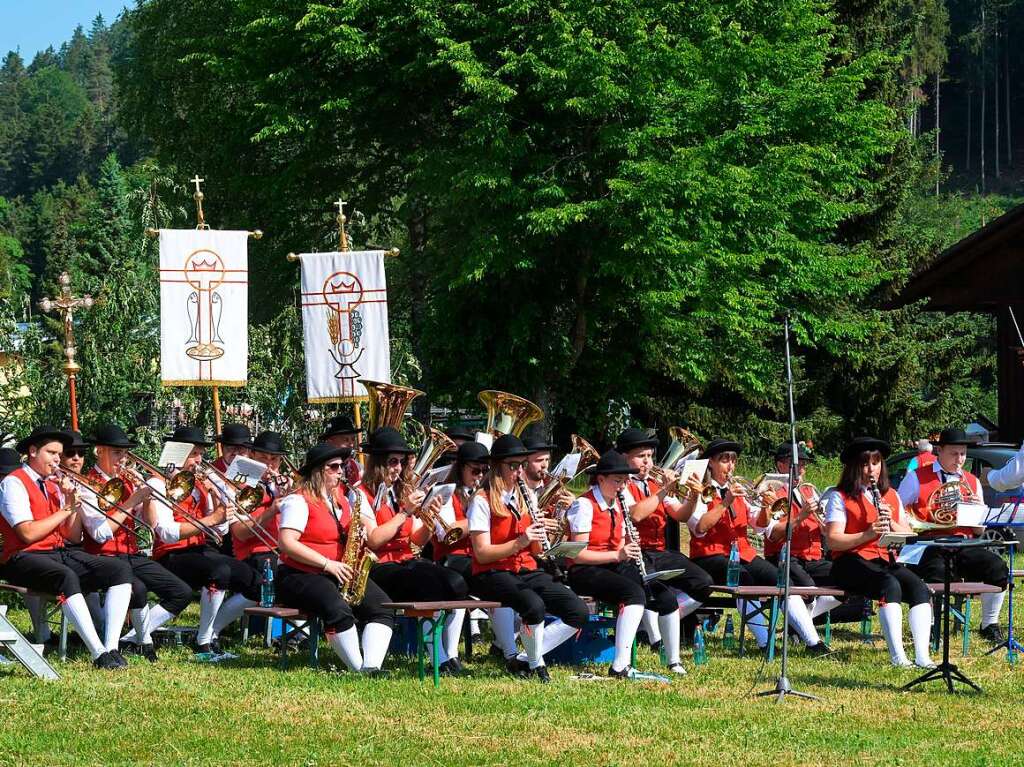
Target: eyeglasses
x=514, y=465
x=334, y=466
x=74, y=453
x=478, y=470
x=395, y=461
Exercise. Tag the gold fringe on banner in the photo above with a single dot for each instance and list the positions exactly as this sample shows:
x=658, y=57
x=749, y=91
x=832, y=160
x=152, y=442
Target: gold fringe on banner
x=203, y=383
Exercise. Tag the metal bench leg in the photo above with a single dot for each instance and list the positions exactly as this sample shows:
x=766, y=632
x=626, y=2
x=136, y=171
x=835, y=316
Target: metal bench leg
x=773, y=619
x=62, y=646
x=967, y=624
x=283, y=652
x=420, y=648
x=314, y=642
x=268, y=632
x=828, y=627
x=246, y=620
x=743, y=626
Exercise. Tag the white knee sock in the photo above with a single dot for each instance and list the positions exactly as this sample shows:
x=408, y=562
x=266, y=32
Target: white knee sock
x=453, y=632
x=503, y=620
x=555, y=633
x=650, y=626
x=533, y=643
x=346, y=645
x=376, y=641
x=230, y=611
x=801, y=622
x=428, y=640
x=991, y=606
x=132, y=635
x=687, y=605
x=157, y=617
x=209, y=604
x=138, y=621
x=822, y=605
x=114, y=611
x=37, y=611
x=757, y=624
x=625, y=632
x=920, y=619
x=77, y=612
x=891, y=617
x=669, y=625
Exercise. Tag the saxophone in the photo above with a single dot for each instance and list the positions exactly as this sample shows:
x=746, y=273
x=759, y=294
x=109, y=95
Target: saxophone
x=357, y=556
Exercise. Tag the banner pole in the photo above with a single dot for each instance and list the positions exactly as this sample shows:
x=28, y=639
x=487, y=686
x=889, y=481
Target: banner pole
x=216, y=417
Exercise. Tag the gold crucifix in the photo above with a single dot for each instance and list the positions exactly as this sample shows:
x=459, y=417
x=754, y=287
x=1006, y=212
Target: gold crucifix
x=65, y=305
x=342, y=235
x=198, y=197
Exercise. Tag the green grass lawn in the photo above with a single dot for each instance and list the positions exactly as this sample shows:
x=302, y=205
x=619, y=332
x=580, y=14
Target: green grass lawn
x=247, y=711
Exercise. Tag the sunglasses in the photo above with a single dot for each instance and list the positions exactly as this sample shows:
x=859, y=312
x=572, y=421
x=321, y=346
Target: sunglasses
x=74, y=453
x=478, y=470
x=393, y=461
x=334, y=466
x=515, y=465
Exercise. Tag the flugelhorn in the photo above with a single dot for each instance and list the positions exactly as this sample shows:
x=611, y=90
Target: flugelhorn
x=508, y=413
x=555, y=484
x=436, y=444
x=177, y=488
x=683, y=443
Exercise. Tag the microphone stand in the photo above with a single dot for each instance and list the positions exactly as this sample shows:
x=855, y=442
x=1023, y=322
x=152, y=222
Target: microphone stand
x=782, y=686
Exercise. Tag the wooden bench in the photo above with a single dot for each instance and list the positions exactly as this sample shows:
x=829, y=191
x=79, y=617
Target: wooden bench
x=62, y=642
x=292, y=619
x=431, y=617
x=960, y=608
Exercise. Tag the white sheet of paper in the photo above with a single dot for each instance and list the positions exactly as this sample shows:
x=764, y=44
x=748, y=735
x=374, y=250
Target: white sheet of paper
x=246, y=471
x=700, y=468
x=445, y=493
x=174, y=454
x=895, y=539
x=568, y=466
x=663, y=575
x=434, y=476
x=678, y=466
x=911, y=554
x=485, y=439
x=568, y=549
x=971, y=514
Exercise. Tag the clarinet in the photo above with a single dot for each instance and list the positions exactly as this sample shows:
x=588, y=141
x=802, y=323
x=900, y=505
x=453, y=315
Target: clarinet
x=876, y=499
x=535, y=516
x=632, y=535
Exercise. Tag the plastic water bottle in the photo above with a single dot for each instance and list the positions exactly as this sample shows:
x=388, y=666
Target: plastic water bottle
x=267, y=588
x=700, y=650
x=732, y=575
x=780, y=580
x=729, y=634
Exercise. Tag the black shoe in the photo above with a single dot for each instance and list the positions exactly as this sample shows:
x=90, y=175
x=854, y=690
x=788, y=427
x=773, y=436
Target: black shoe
x=819, y=650
x=121, y=660
x=215, y=647
x=993, y=633
x=148, y=652
x=108, y=662
x=541, y=672
x=450, y=668
x=626, y=673
x=374, y=673
x=496, y=652
x=125, y=647
x=517, y=667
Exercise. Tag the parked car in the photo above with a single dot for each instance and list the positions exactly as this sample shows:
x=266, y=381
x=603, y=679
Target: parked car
x=981, y=458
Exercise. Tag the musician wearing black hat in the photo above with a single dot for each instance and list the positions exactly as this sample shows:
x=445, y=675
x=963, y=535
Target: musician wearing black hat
x=864, y=508
x=315, y=523
x=394, y=526
x=537, y=462
x=719, y=526
x=341, y=431
x=186, y=535
x=979, y=565
x=114, y=533
x=37, y=515
x=459, y=435
x=504, y=540
x=652, y=506
x=235, y=439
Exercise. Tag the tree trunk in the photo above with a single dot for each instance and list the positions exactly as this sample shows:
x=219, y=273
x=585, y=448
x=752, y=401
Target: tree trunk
x=417, y=228
x=1007, y=104
x=970, y=118
x=579, y=330
x=938, y=160
x=981, y=132
x=995, y=94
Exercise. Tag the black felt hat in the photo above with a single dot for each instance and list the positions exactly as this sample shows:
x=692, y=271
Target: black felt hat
x=633, y=438
x=717, y=445
x=77, y=441
x=951, y=436
x=10, y=459
x=472, y=452
x=43, y=434
x=460, y=432
x=193, y=435
x=339, y=425
x=320, y=454
x=235, y=434
x=785, y=452
x=508, y=446
x=385, y=441
x=611, y=462
x=269, y=442
x=538, y=445
x=860, y=445
x=112, y=435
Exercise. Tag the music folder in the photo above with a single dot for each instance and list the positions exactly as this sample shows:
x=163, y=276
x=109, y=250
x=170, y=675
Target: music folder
x=570, y=549
x=663, y=575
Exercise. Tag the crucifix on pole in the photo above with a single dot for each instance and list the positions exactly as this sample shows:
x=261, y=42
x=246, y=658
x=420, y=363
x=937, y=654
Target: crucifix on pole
x=343, y=245
x=65, y=305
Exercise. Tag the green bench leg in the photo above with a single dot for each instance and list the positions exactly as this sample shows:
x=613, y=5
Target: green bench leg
x=967, y=625
x=772, y=620
x=419, y=648
x=632, y=654
x=437, y=632
x=828, y=627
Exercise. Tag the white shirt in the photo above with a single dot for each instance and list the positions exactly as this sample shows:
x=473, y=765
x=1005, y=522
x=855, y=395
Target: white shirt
x=294, y=512
x=701, y=508
x=581, y=512
x=479, y=514
x=835, y=507
x=166, y=528
x=910, y=486
x=99, y=528
x=1011, y=476
x=14, y=502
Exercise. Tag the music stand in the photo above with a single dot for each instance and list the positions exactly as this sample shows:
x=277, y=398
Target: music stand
x=1011, y=645
x=948, y=548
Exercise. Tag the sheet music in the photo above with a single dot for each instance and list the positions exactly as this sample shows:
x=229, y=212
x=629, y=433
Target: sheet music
x=570, y=549
x=174, y=454
x=663, y=575
x=568, y=466
x=434, y=476
x=246, y=471
x=485, y=439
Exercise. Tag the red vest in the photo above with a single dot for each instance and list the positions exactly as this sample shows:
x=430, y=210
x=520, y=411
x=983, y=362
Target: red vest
x=195, y=505
x=605, y=532
x=247, y=547
x=399, y=548
x=123, y=541
x=41, y=506
x=651, y=527
x=323, y=533
x=462, y=547
x=860, y=516
x=806, y=537
x=718, y=540
x=220, y=465
x=929, y=479
x=504, y=529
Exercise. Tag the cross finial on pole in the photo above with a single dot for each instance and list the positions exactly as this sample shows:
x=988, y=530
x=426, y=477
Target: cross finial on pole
x=342, y=235
x=65, y=305
x=198, y=197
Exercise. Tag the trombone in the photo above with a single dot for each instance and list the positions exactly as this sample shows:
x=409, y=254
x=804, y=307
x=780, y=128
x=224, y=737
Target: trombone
x=112, y=492
x=245, y=499
x=178, y=487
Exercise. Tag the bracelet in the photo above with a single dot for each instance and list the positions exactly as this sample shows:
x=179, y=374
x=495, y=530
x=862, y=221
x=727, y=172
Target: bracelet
x=323, y=569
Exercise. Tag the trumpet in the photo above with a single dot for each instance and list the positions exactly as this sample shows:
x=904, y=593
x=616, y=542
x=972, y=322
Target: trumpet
x=112, y=492
x=178, y=487
x=245, y=500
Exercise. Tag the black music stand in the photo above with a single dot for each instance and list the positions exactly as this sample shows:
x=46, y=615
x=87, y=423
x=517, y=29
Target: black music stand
x=948, y=548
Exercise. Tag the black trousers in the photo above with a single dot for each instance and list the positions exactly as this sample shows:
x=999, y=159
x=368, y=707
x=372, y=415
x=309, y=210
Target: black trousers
x=756, y=572
x=460, y=563
x=808, y=572
x=204, y=566
x=978, y=565
x=255, y=562
x=174, y=594
x=317, y=594
x=621, y=584
x=877, y=579
x=532, y=594
x=417, y=580
x=695, y=581
x=66, y=572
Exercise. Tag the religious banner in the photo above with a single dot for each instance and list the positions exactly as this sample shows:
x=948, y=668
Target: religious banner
x=345, y=323
x=204, y=313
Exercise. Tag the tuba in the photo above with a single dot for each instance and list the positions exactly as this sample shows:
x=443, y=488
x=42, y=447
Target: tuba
x=683, y=443
x=942, y=506
x=388, y=403
x=357, y=556
x=508, y=413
